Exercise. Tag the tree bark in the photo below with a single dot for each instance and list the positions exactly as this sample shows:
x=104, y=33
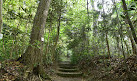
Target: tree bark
x=127, y=47
x=34, y=53
x=129, y=21
x=118, y=47
x=47, y=46
x=95, y=47
x=134, y=49
x=1, y=15
x=106, y=32
x=120, y=30
x=57, y=38
x=107, y=43
x=87, y=36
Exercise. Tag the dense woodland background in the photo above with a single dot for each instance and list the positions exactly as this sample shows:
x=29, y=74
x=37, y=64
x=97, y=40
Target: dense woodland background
x=100, y=35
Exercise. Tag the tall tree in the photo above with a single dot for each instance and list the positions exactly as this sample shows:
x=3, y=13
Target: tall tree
x=134, y=49
x=129, y=21
x=34, y=53
x=106, y=30
x=57, y=36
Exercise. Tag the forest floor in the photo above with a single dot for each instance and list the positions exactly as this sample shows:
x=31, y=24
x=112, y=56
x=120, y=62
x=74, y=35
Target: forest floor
x=94, y=70
x=114, y=70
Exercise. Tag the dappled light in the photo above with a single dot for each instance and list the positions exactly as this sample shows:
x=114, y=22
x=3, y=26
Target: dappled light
x=68, y=40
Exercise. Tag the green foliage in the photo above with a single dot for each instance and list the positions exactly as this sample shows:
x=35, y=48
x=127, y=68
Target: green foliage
x=81, y=32
x=17, y=18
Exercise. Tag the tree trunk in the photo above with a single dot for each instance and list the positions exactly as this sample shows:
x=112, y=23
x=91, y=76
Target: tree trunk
x=1, y=15
x=95, y=47
x=107, y=43
x=134, y=49
x=118, y=47
x=34, y=53
x=47, y=46
x=120, y=28
x=57, y=38
x=127, y=47
x=87, y=36
x=106, y=32
x=122, y=46
x=129, y=21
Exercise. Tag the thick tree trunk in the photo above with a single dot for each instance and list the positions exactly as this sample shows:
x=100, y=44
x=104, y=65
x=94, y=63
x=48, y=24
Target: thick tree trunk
x=129, y=21
x=0, y=15
x=34, y=53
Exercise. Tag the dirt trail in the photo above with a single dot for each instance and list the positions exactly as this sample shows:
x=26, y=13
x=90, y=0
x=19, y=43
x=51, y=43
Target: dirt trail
x=58, y=78
x=63, y=65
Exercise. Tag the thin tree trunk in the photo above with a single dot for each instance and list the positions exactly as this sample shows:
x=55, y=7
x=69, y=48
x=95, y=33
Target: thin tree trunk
x=87, y=38
x=1, y=2
x=129, y=21
x=107, y=43
x=118, y=47
x=11, y=51
x=57, y=38
x=122, y=46
x=127, y=47
x=134, y=49
x=94, y=21
x=47, y=46
x=106, y=32
x=95, y=46
x=120, y=30
x=83, y=38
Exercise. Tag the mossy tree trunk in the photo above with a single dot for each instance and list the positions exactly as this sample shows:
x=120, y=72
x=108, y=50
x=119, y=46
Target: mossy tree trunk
x=34, y=53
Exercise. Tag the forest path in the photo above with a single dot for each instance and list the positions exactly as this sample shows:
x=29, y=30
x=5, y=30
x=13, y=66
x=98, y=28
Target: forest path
x=67, y=72
x=58, y=78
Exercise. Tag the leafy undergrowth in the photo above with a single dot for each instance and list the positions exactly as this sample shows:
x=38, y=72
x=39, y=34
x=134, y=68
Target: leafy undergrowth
x=11, y=70
x=99, y=69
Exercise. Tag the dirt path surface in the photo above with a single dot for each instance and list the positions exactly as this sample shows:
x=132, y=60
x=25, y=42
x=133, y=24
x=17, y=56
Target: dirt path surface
x=63, y=65
x=58, y=78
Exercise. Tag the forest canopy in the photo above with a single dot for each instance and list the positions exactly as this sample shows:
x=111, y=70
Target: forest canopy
x=101, y=35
